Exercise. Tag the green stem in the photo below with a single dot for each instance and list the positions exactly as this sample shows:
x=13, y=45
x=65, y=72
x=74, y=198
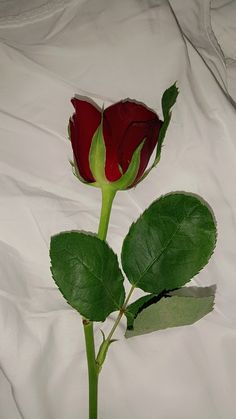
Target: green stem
x=92, y=368
x=108, y=195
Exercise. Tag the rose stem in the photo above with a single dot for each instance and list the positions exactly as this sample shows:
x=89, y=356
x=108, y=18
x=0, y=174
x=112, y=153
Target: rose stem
x=92, y=368
x=108, y=195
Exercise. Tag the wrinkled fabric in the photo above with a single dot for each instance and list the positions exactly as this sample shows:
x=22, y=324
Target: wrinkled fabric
x=109, y=51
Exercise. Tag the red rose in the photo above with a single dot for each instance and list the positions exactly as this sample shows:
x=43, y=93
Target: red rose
x=125, y=127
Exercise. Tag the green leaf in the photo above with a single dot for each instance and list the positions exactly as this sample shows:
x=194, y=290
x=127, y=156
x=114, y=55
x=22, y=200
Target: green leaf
x=177, y=309
x=139, y=305
x=168, y=100
x=87, y=273
x=133, y=309
x=169, y=244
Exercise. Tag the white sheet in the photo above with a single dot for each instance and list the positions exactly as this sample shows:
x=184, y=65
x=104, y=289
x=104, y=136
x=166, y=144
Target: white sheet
x=110, y=50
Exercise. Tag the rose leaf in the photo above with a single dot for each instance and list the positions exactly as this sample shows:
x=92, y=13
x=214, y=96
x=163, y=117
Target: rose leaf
x=169, y=243
x=87, y=273
x=163, y=320
x=178, y=308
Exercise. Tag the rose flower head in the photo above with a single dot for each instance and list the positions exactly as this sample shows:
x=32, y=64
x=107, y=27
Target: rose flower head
x=113, y=146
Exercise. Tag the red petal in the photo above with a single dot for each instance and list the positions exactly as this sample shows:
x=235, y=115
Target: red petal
x=126, y=124
x=135, y=134
x=83, y=125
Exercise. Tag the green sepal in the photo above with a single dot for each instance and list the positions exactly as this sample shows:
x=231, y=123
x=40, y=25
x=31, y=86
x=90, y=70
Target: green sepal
x=97, y=162
x=177, y=308
x=130, y=175
x=68, y=131
x=76, y=172
x=168, y=100
x=97, y=156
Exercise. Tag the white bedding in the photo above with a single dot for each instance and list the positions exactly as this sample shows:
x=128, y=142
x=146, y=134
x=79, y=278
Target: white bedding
x=109, y=50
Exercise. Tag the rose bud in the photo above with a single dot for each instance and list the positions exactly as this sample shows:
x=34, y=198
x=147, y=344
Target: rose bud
x=113, y=146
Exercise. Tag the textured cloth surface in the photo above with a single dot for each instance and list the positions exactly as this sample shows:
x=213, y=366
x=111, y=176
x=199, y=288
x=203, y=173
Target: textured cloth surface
x=110, y=50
